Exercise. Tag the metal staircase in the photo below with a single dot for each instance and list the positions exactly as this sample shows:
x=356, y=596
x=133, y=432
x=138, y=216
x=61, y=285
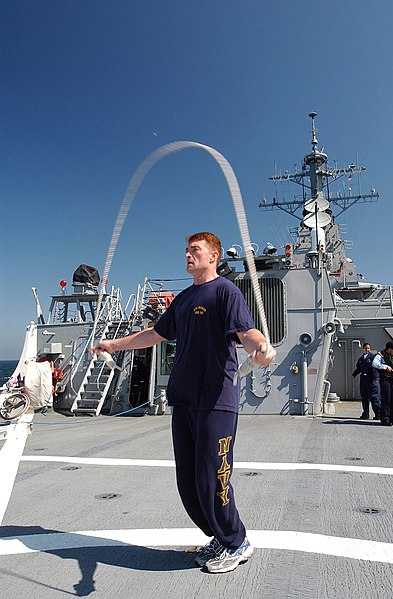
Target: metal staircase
x=96, y=383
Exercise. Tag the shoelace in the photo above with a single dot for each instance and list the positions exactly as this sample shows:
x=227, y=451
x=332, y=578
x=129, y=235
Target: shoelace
x=230, y=552
x=212, y=547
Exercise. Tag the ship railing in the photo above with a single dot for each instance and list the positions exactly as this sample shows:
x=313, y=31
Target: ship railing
x=106, y=312
x=132, y=298
x=100, y=372
x=88, y=370
x=150, y=292
x=83, y=347
x=387, y=295
x=113, y=305
x=141, y=300
x=154, y=295
x=103, y=368
x=385, y=300
x=89, y=342
x=338, y=300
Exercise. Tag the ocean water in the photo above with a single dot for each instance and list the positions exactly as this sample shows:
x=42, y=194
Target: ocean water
x=7, y=367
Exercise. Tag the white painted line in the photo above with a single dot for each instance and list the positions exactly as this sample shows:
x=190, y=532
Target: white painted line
x=10, y=456
x=237, y=465
x=100, y=461
x=306, y=466
x=373, y=551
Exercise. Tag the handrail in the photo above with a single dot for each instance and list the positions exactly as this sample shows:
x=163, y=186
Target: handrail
x=387, y=294
x=341, y=300
x=119, y=325
x=74, y=369
x=132, y=295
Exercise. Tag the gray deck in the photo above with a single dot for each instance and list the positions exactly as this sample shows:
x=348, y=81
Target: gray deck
x=48, y=497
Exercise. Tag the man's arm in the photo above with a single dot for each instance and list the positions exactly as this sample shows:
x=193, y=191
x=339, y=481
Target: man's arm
x=139, y=340
x=255, y=344
x=379, y=363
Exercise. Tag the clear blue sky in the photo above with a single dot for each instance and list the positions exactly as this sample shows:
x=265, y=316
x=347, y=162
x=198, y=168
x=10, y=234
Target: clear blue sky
x=91, y=87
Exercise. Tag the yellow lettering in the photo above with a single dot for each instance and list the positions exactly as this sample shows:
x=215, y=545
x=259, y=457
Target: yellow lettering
x=224, y=496
x=224, y=472
x=224, y=465
x=223, y=478
x=224, y=443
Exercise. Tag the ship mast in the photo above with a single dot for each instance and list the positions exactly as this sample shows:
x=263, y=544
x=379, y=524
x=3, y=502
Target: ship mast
x=316, y=170
x=315, y=162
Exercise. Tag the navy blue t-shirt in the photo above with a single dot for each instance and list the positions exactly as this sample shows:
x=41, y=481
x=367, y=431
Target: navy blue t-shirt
x=204, y=320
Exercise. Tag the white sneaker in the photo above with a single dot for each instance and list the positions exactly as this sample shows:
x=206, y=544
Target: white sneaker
x=209, y=551
x=229, y=559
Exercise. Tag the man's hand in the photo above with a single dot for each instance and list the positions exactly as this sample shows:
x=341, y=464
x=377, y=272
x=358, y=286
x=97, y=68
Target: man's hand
x=255, y=344
x=104, y=345
x=263, y=356
x=141, y=339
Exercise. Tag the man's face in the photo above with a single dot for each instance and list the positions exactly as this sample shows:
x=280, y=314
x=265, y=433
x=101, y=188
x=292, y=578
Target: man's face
x=390, y=351
x=366, y=349
x=199, y=257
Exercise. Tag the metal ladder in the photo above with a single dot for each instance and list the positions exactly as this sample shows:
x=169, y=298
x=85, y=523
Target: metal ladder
x=97, y=381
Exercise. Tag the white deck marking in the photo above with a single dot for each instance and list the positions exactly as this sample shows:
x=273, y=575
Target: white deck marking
x=237, y=465
x=373, y=551
x=99, y=461
x=10, y=456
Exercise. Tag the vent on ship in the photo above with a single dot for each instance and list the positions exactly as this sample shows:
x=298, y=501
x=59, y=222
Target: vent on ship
x=272, y=291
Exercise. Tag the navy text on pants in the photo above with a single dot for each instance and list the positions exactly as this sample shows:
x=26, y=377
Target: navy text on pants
x=203, y=445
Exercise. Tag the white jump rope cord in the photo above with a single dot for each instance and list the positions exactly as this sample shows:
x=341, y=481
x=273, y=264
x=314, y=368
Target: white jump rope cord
x=238, y=205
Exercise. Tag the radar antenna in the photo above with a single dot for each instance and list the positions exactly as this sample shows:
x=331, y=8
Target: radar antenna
x=314, y=178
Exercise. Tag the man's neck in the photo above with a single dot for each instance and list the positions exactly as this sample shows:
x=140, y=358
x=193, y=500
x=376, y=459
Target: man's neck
x=205, y=277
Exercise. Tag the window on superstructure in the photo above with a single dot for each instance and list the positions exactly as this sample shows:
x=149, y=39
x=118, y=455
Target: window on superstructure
x=273, y=295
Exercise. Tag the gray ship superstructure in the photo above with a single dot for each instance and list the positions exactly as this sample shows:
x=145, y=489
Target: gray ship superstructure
x=319, y=309
x=319, y=312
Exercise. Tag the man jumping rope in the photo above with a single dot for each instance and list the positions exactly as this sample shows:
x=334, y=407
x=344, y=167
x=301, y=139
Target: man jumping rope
x=207, y=320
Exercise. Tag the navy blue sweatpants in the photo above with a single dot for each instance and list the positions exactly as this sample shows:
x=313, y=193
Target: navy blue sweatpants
x=369, y=391
x=386, y=399
x=203, y=444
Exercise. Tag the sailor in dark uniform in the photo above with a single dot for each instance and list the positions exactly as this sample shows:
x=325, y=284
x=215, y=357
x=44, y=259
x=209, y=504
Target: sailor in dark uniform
x=383, y=362
x=369, y=383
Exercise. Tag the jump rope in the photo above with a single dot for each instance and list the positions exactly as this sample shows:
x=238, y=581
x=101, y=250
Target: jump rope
x=238, y=205
x=129, y=196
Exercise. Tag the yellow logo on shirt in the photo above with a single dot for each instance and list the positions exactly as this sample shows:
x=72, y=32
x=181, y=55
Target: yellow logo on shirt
x=200, y=310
